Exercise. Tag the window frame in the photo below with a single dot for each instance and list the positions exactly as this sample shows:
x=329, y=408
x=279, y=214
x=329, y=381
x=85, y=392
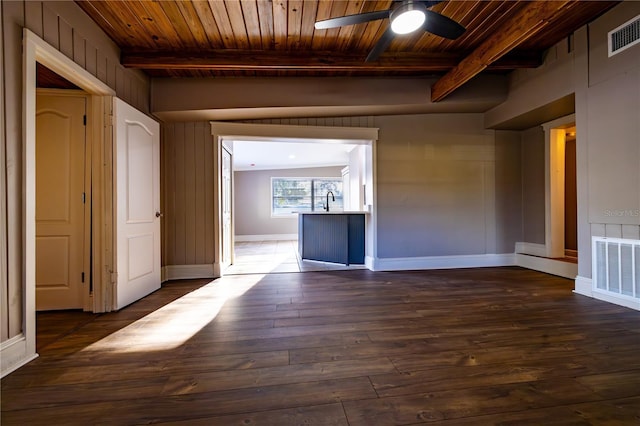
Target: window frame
x=311, y=180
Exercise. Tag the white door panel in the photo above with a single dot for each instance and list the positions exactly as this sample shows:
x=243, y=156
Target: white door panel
x=227, y=238
x=137, y=202
x=60, y=161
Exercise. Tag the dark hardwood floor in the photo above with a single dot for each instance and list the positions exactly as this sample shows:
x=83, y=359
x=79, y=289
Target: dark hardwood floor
x=503, y=346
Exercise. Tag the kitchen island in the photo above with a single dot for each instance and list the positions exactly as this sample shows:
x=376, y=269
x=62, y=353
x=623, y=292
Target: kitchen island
x=336, y=237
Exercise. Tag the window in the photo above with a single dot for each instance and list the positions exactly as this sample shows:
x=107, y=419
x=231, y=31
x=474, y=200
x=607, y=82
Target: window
x=292, y=195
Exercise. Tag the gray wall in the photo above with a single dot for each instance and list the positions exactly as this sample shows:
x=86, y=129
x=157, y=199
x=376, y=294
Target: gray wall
x=609, y=124
x=509, y=205
x=252, y=200
x=67, y=28
x=533, y=192
x=437, y=188
x=607, y=108
x=443, y=179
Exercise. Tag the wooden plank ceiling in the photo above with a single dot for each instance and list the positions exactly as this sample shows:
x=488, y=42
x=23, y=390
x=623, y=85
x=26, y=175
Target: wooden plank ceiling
x=199, y=38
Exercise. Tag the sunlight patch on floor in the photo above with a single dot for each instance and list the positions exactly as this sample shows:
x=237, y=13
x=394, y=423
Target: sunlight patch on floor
x=177, y=322
x=265, y=257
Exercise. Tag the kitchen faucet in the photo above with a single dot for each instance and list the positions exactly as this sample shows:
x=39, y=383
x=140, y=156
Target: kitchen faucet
x=333, y=198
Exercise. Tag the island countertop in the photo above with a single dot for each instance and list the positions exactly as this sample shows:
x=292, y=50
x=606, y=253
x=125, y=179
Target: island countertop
x=336, y=212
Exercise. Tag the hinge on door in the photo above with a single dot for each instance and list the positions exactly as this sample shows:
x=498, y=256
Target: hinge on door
x=83, y=277
x=84, y=120
x=108, y=120
x=84, y=197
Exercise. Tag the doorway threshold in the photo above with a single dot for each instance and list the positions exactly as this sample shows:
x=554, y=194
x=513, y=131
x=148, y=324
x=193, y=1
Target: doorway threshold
x=271, y=257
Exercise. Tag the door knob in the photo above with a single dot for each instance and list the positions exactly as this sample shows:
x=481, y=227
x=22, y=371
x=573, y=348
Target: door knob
x=158, y=214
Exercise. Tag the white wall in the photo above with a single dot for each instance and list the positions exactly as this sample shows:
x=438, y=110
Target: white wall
x=357, y=177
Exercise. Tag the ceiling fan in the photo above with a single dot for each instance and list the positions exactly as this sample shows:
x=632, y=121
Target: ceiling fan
x=406, y=17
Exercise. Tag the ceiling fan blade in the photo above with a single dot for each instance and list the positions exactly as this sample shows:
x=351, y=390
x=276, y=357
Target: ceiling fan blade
x=358, y=18
x=442, y=26
x=381, y=45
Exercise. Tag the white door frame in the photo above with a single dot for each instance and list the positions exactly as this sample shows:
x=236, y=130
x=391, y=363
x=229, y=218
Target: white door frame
x=22, y=348
x=223, y=131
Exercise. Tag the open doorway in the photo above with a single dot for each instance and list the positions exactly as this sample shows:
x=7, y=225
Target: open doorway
x=271, y=240
x=570, y=196
x=273, y=180
x=561, y=193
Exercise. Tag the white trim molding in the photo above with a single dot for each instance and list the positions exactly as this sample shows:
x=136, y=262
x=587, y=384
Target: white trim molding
x=583, y=286
x=266, y=237
x=14, y=354
x=555, y=142
x=533, y=249
x=187, y=272
x=354, y=135
x=365, y=136
x=369, y=262
x=440, y=262
x=616, y=299
x=549, y=266
x=36, y=50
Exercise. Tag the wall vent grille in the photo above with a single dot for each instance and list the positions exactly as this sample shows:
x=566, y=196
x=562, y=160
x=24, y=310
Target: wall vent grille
x=616, y=267
x=625, y=36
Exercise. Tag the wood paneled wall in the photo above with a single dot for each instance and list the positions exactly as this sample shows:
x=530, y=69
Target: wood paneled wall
x=188, y=180
x=64, y=26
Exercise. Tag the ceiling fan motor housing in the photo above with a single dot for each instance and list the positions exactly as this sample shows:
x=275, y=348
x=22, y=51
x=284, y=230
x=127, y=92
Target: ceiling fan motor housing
x=407, y=17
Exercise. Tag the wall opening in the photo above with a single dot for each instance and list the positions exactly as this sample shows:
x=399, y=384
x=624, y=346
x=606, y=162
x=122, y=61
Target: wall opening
x=224, y=133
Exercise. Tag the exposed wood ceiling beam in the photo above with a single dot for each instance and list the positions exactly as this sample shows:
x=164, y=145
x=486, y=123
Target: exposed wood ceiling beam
x=529, y=21
x=236, y=60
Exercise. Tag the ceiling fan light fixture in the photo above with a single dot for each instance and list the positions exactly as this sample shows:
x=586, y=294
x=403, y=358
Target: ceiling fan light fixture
x=408, y=17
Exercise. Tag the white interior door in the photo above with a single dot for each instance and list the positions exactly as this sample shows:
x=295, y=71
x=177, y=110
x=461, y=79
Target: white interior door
x=227, y=237
x=60, y=161
x=137, y=197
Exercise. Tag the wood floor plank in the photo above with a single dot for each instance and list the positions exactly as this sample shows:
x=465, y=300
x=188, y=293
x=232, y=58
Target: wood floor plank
x=323, y=415
x=461, y=403
x=623, y=412
x=501, y=355
x=614, y=385
x=142, y=370
x=503, y=346
x=296, y=373
x=459, y=377
x=194, y=406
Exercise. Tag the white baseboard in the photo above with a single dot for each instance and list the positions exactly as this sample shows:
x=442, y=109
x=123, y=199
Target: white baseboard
x=441, y=262
x=549, y=266
x=583, y=286
x=533, y=249
x=369, y=262
x=13, y=354
x=266, y=237
x=185, y=272
x=617, y=299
